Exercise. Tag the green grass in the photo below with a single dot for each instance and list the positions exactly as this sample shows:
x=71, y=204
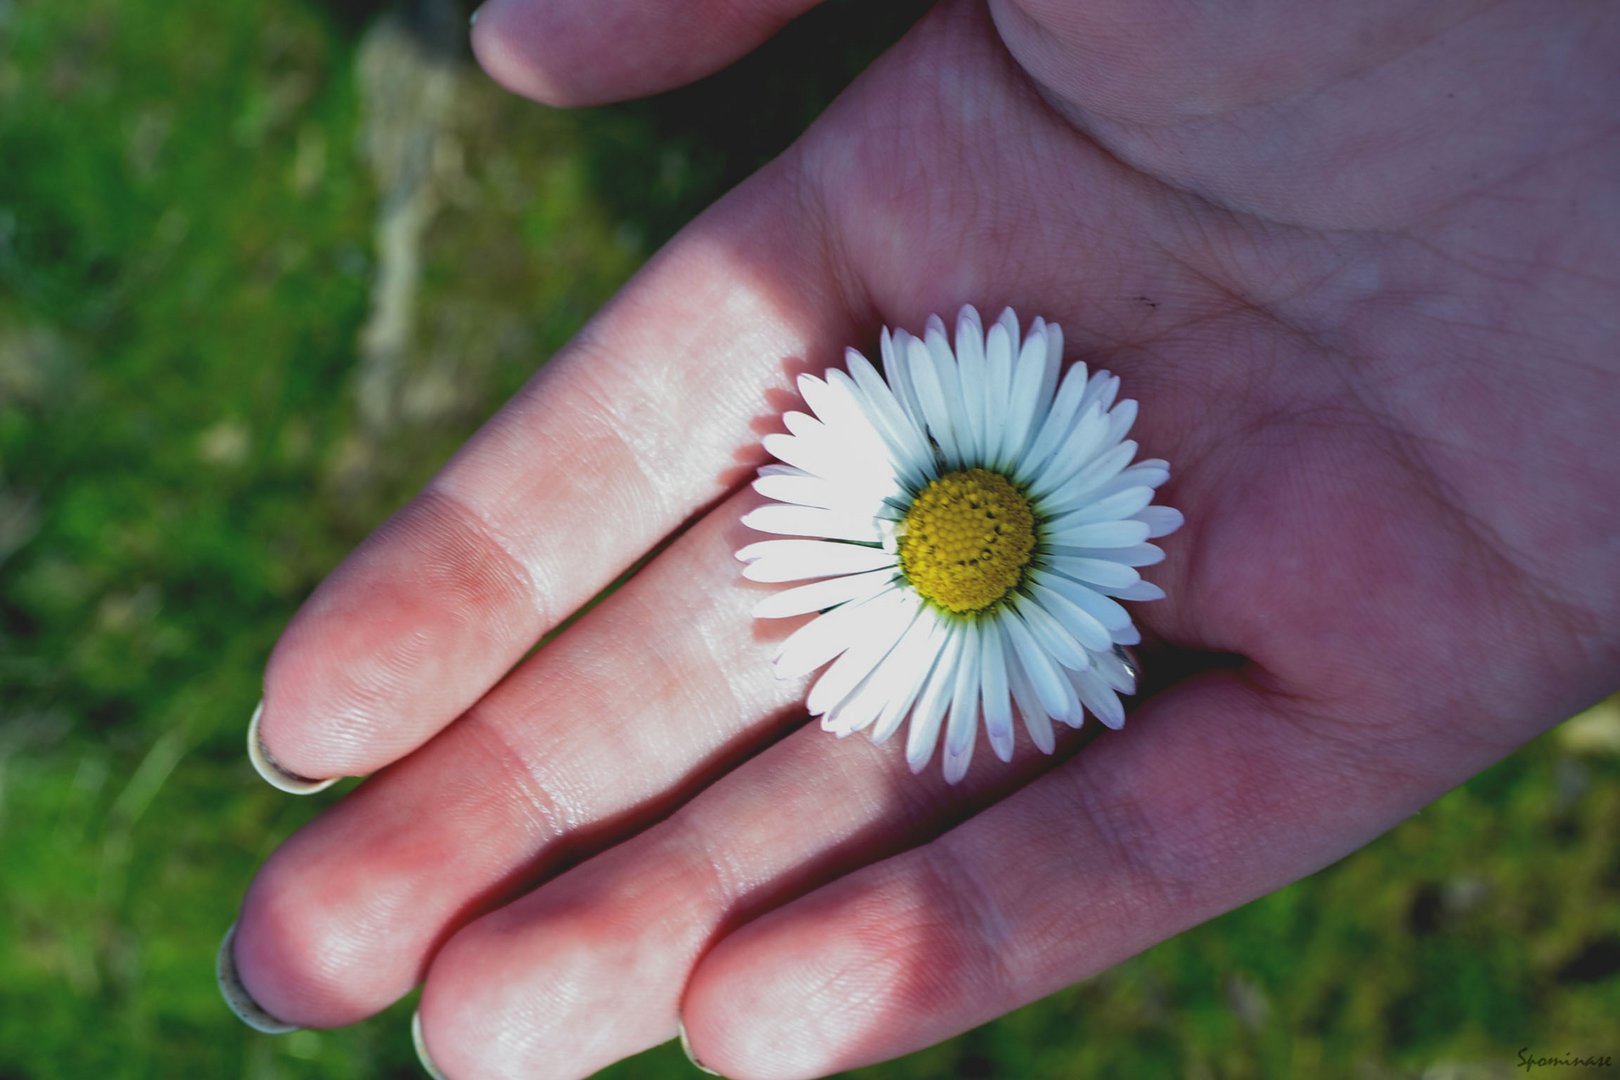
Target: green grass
x=191, y=436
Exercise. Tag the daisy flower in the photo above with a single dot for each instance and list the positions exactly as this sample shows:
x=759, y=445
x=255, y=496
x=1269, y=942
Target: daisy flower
x=964, y=525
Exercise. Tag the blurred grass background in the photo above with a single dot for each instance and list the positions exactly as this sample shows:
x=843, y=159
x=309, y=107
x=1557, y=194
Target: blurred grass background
x=262, y=267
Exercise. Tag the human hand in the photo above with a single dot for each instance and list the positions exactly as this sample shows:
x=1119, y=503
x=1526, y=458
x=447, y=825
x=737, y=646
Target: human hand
x=1360, y=271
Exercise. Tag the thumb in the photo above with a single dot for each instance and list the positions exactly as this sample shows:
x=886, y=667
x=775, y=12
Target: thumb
x=587, y=52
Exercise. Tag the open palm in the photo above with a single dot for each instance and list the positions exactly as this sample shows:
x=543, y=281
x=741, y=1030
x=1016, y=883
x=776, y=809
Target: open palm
x=1360, y=264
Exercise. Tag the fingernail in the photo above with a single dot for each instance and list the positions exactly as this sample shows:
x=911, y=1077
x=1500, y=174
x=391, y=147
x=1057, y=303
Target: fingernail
x=686, y=1048
x=241, y=1003
x=274, y=774
x=421, y=1050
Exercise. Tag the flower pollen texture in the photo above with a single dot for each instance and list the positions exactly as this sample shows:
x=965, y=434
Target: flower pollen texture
x=967, y=540
x=959, y=534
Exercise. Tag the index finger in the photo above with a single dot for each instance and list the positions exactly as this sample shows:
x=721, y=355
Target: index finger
x=642, y=419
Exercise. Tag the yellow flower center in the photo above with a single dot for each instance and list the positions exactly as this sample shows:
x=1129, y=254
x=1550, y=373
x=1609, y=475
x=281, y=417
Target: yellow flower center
x=967, y=540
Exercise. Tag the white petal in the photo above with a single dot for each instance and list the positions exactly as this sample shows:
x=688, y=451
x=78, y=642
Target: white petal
x=874, y=640
x=1097, y=696
x=803, y=425
x=1029, y=373
x=801, y=489
x=1150, y=473
x=969, y=317
x=1056, y=426
x=984, y=397
x=822, y=595
x=1126, y=635
x=824, y=637
x=1134, y=555
x=1053, y=636
x=1100, y=572
x=1052, y=369
x=963, y=724
x=1103, y=534
x=1112, y=508
x=1077, y=486
x=961, y=389
x=839, y=408
x=1072, y=456
x=899, y=377
x=960, y=407
x=893, y=683
x=1120, y=419
x=800, y=560
x=1140, y=590
x=799, y=453
x=923, y=732
x=1085, y=627
x=864, y=469
x=926, y=381
x=1054, y=364
x=785, y=519
x=1036, y=720
x=1105, y=467
x=855, y=713
x=999, y=351
x=1098, y=606
x=998, y=721
x=836, y=408
x=1052, y=690
x=1008, y=321
x=1114, y=672
x=861, y=706
x=857, y=706
x=1102, y=389
x=911, y=456
x=908, y=668
x=1161, y=520
x=819, y=452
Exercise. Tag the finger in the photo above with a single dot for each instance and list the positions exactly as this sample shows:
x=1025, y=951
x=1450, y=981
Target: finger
x=1212, y=797
x=651, y=412
x=585, y=52
x=589, y=969
x=643, y=697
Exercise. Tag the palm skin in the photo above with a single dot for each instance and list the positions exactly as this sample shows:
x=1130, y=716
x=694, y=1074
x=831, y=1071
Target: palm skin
x=1361, y=271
